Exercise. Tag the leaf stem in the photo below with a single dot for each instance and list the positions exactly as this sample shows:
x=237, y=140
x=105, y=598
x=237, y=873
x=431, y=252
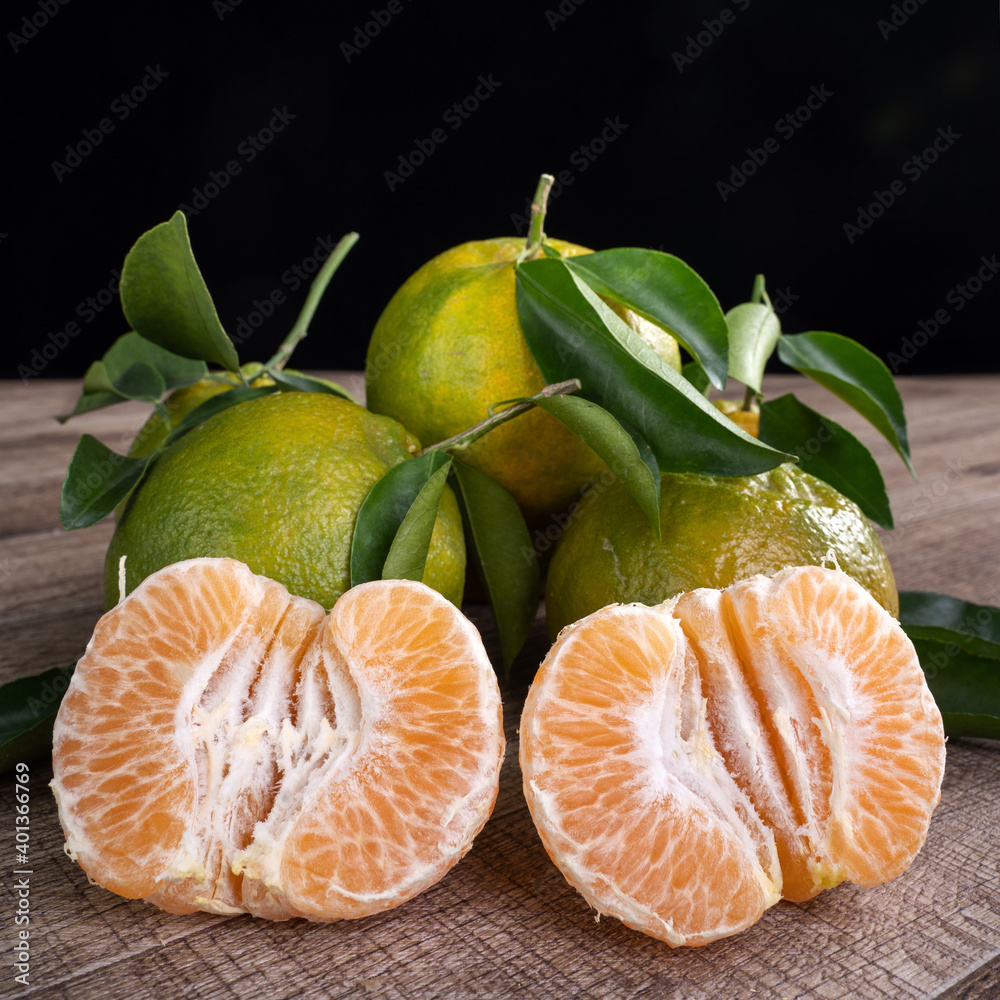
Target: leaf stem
x=316, y=290
x=533, y=247
x=758, y=295
x=464, y=438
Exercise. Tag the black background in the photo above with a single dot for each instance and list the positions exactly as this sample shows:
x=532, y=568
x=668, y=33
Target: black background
x=557, y=78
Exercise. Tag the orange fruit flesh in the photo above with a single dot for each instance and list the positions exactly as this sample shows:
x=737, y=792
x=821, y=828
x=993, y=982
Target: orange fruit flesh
x=226, y=746
x=689, y=764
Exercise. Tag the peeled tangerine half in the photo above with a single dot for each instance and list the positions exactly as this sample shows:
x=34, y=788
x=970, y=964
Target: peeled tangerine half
x=225, y=746
x=687, y=765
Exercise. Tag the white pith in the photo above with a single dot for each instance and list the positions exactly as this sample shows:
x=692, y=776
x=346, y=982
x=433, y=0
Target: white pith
x=253, y=735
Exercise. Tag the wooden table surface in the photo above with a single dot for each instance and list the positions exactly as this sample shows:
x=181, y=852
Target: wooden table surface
x=503, y=922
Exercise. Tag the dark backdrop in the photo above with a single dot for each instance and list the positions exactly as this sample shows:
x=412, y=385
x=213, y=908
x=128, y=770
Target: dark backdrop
x=656, y=117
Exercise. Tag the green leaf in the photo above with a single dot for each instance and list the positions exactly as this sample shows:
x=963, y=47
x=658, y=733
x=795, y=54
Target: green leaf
x=857, y=376
x=958, y=643
x=664, y=289
x=92, y=401
x=754, y=329
x=696, y=375
x=96, y=379
x=216, y=404
x=500, y=548
x=828, y=451
x=141, y=382
x=573, y=334
x=97, y=481
x=408, y=553
x=165, y=298
x=966, y=687
x=605, y=435
x=132, y=353
x=134, y=368
x=29, y=706
x=288, y=379
x=384, y=509
x=974, y=627
x=97, y=392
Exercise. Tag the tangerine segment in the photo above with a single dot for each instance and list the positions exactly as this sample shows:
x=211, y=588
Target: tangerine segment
x=687, y=764
x=866, y=726
x=630, y=796
x=225, y=746
x=424, y=714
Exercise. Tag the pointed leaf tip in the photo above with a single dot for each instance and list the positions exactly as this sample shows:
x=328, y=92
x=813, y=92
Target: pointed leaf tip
x=857, y=376
x=501, y=550
x=828, y=451
x=384, y=511
x=636, y=467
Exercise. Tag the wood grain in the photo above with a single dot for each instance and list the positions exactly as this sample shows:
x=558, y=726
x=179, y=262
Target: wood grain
x=504, y=922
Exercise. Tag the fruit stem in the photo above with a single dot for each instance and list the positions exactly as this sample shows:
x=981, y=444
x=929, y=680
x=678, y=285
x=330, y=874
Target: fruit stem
x=464, y=438
x=759, y=294
x=316, y=290
x=533, y=247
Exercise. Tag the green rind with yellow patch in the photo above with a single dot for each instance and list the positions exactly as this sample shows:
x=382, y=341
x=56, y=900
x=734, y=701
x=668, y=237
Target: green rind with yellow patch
x=275, y=482
x=449, y=344
x=715, y=530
